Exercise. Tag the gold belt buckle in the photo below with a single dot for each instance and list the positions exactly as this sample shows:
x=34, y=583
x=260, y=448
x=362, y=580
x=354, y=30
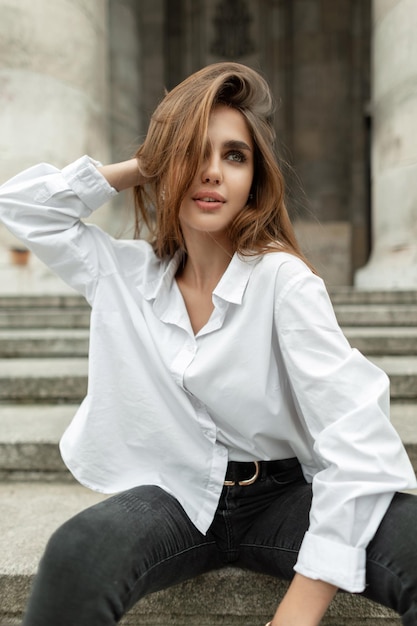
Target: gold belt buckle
x=248, y=481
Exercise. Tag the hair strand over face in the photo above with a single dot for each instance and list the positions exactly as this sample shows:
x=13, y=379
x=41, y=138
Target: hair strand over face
x=173, y=152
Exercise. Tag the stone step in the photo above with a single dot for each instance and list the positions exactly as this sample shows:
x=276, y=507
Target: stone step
x=72, y=342
x=338, y=295
x=231, y=597
x=65, y=380
x=29, y=436
x=404, y=420
x=353, y=308
x=28, y=451
x=45, y=318
x=386, y=341
x=402, y=371
x=351, y=295
x=376, y=315
x=45, y=301
x=79, y=317
x=40, y=380
x=43, y=342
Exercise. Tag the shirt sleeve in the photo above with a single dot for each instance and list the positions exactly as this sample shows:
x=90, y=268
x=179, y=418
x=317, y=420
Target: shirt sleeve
x=44, y=207
x=343, y=403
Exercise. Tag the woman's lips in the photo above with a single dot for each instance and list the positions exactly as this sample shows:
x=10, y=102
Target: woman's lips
x=208, y=205
x=209, y=201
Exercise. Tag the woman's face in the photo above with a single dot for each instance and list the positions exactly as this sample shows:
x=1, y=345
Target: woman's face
x=222, y=186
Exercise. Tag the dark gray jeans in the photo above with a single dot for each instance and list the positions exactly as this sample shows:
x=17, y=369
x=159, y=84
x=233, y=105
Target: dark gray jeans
x=102, y=561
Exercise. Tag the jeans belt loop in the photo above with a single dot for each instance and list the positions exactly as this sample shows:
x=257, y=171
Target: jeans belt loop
x=248, y=481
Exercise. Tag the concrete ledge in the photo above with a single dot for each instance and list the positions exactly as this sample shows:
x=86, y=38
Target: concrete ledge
x=233, y=597
x=228, y=597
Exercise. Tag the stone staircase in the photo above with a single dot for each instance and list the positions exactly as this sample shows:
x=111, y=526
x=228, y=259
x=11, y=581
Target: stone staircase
x=43, y=369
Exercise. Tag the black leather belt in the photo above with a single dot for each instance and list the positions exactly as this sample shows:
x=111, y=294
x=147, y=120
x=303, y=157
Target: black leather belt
x=246, y=473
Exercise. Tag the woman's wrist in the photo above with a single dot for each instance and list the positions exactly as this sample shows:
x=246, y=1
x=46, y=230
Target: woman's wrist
x=305, y=603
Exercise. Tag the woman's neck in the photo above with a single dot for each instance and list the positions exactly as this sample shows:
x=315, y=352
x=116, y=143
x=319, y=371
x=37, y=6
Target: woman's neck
x=206, y=261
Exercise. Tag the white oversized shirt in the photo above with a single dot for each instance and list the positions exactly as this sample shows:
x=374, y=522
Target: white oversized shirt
x=270, y=376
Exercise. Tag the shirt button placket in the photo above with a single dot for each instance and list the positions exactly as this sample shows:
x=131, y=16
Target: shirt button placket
x=183, y=359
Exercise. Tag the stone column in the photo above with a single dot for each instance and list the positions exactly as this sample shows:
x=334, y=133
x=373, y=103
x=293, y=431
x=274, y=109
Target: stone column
x=319, y=112
x=393, y=263
x=152, y=69
x=125, y=78
x=53, y=83
x=124, y=102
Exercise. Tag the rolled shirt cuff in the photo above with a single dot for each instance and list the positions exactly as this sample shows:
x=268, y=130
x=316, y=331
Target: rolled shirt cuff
x=338, y=564
x=86, y=181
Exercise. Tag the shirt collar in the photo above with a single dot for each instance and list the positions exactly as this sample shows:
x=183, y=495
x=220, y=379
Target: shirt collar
x=230, y=288
x=150, y=290
x=232, y=284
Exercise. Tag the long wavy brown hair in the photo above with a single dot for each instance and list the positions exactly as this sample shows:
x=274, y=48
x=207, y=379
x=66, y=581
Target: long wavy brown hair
x=174, y=149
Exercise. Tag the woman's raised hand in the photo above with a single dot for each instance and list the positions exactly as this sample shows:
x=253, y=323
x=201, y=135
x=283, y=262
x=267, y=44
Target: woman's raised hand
x=123, y=175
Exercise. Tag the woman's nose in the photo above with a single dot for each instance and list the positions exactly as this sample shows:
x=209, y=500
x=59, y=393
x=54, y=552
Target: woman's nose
x=211, y=172
x=211, y=179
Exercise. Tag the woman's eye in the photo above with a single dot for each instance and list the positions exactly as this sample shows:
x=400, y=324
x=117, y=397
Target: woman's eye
x=237, y=156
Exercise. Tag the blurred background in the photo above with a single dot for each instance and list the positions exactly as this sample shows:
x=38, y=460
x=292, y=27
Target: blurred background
x=83, y=76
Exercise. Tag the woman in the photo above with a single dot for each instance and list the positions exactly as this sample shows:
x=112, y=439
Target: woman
x=225, y=408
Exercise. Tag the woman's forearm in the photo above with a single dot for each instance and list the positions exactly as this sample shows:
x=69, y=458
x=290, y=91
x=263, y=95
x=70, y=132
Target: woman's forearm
x=305, y=602
x=123, y=175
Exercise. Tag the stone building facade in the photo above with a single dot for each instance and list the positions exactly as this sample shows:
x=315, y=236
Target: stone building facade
x=83, y=76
